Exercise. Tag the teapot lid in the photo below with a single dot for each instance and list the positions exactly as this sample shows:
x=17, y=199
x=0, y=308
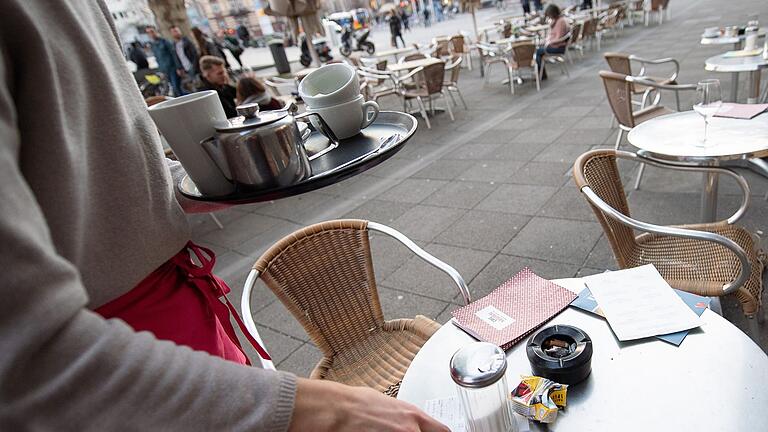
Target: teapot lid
x=249, y=117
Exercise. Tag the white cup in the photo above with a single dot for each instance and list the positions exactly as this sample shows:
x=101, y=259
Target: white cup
x=329, y=85
x=750, y=42
x=184, y=122
x=348, y=118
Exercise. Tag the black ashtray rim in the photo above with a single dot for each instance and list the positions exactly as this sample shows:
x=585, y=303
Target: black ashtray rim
x=568, y=369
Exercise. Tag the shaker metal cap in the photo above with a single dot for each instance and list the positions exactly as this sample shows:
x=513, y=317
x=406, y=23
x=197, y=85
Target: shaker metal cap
x=478, y=364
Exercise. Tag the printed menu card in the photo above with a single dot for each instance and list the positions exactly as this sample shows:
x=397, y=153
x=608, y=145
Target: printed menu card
x=639, y=303
x=513, y=310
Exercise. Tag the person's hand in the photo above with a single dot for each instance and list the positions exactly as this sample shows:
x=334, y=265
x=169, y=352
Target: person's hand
x=328, y=406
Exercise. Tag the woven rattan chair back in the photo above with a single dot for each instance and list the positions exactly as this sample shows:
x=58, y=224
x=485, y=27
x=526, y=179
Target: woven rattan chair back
x=576, y=32
x=619, y=62
x=619, y=93
x=524, y=53
x=455, y=68
x=443, y=48
x=433, y=75
x=416, y=56
x=598, y=170
x=457, y=44
x=323, y=274
x=590, y=28
x=506, y=30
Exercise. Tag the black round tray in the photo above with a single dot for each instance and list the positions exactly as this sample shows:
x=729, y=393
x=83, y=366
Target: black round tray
x=373, y=145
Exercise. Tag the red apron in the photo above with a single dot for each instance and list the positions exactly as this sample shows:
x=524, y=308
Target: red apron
x=180, y=302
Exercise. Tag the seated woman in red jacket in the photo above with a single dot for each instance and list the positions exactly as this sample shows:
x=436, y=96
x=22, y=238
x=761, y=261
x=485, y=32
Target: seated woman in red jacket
x=250, y=90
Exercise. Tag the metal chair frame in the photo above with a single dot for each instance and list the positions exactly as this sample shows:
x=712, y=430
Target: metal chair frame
x=490, y=55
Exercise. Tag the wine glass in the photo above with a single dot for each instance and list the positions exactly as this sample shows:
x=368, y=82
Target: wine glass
x=708, y=102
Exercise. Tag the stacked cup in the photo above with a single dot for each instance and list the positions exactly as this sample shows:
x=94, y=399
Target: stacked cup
x=333, y=92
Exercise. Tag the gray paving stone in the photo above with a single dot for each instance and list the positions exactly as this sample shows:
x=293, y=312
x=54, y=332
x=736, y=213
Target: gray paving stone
x=279, y=346
x=421, y=278
x=601, y=256
x=483, y=230
x=276, y=317
x=302, y=361
x=360, y=186
x=519, y=151
x=542, y=173
x=401, y=304
x=518, y=199
x=568, y=203
x=444, y=169
x=202, y=223
x=379, y=211
x=490, y=171
x=520, y=123
x=555, y=239
x=503, y=267
x=561, y=153
x=240, y=230
x=539, y=135
x=585, y=136
x=388, y=254
x=460, y=194
x=572, y=111
x=594, y=122
x=424, y=222
x=257, y=244
x=496, y=136
x=412, y=190
x=474, y=151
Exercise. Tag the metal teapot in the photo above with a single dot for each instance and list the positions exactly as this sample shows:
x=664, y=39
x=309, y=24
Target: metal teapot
x=265, y=150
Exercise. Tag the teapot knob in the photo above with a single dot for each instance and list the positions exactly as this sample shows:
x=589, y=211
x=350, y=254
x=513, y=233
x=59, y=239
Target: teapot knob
x=249, y=110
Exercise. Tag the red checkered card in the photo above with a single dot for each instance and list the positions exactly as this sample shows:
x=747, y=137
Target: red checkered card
x=513, y=310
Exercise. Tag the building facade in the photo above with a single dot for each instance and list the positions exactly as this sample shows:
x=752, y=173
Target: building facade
x=130, y=17
x=229, y=14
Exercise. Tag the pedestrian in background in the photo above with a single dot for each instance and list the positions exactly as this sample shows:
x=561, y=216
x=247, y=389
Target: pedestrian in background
x=426, y=16
x=232, y=44
x=186, y=52
x=395, y=28
x=405, y=17
x=137, y=56
x=244, y=35
x=167, y=62
x=207, y=46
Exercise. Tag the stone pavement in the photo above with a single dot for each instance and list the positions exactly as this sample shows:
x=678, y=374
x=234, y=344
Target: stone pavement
x=491, y=192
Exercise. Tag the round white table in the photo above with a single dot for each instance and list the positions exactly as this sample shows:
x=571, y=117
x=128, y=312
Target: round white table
x=737, y=42
x=717, y=380
x=678, y=137
x=736, y=65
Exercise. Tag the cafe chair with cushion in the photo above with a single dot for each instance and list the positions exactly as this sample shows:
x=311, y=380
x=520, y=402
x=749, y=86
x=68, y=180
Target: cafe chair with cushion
x=711, y=259
x=323, y=274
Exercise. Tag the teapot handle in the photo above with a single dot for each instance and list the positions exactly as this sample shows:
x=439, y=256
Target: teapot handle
x=324, y=129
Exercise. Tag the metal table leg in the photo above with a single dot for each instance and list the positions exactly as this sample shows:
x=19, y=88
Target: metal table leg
x=709, y=198
x=735, y=78
x=754, y=86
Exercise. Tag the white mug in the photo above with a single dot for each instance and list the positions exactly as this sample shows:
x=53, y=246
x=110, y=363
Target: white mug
x=348, y=118
x=184, y=122
x=329, y=85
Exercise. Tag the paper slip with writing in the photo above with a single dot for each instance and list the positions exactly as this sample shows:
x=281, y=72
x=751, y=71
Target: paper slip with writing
x=639, y=303
x=448, y=411
x=741, y=111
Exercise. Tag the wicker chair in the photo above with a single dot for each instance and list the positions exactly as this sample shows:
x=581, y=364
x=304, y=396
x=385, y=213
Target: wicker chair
x=589, y=32
x=524, y=56
x=460, y=47
x=452, y=83
x=622, y=63
x=660, y=7
x=429, y=84
x=409, y=57
x=560, y=59
x=490, y=55
x=577, y=39
x=323, y=274
x=711, y=259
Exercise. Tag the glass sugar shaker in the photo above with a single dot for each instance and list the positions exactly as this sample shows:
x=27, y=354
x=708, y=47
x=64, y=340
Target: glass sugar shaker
x=478, y=370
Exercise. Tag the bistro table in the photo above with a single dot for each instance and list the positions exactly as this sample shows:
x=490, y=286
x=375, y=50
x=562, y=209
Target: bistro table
x=413, y=64
x=393, y=52
x=304, y=72
x=737, y=42
x=715, y=381
x=735, y=65
x=678, y=137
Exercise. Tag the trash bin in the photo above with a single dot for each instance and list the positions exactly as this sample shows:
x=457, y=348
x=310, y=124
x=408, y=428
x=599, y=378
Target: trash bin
x=277, y=48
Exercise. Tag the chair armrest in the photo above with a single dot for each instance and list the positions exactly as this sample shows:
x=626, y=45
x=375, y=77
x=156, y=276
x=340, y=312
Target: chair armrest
x=646, y=82
x=644, y=62
x=409, y=75
x=426, y=256
x=564, y=38
x=245, y=311
x=643, y=157
x=728, y=288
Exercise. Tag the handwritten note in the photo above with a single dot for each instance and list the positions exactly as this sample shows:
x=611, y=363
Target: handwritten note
x=448, y=411
x=639, y=303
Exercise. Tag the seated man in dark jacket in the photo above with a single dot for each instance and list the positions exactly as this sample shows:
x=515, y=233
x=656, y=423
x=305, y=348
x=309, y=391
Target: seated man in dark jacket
x=213, y=76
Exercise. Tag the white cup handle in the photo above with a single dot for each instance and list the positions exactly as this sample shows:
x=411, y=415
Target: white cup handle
x=370, y=112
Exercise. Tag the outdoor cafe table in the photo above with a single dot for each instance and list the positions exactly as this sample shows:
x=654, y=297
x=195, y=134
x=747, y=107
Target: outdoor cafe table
x=735, y=65
x=736, y=41
x=716, y=380
x=413, y=64
x=678, y=137
x=393, y=52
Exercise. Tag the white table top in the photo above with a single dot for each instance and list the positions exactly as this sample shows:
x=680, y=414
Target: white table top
x=715, y=381
x=724, y=40
x=678, y=136
x=511, y=40
x=413, y=64
x=393, y=52
x=719, y=63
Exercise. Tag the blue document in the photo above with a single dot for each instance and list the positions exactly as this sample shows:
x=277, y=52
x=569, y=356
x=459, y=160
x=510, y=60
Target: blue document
x=697, y=303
